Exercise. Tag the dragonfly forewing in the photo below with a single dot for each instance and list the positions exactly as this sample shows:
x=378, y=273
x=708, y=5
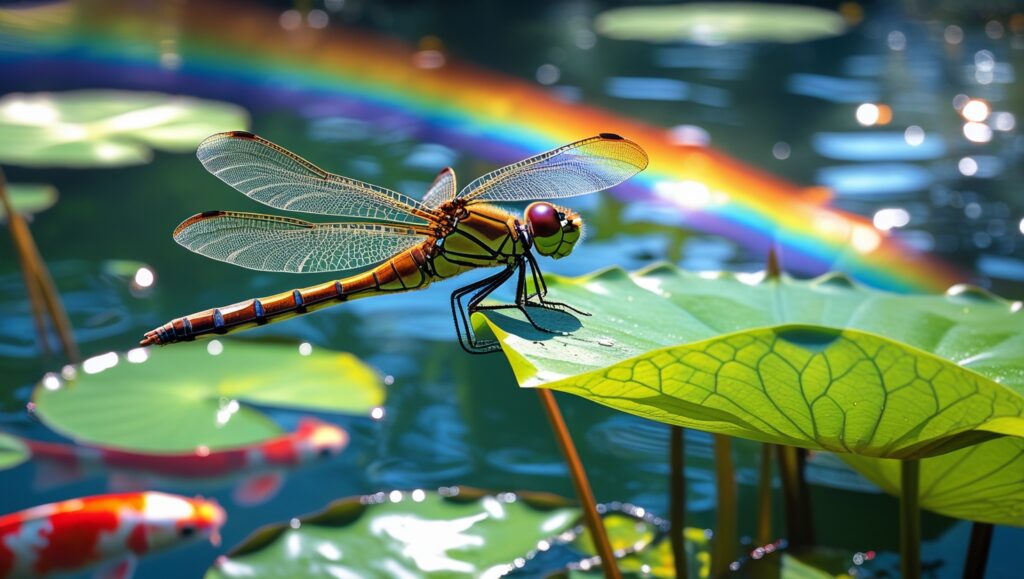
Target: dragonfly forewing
x=579, y=168
x=279, y=178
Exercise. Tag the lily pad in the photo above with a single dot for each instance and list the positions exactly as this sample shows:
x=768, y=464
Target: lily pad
x=720, y=22
x=29, y=198
x=982, y=483
x=656, y=559
x=12, y=451
x=106, y=128
x=457, y=532
x=822, y=364
x=196, y=395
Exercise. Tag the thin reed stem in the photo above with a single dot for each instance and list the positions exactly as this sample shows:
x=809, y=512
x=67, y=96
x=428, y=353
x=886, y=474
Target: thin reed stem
x=726, y=539
x=580, y=483
x=677, y=500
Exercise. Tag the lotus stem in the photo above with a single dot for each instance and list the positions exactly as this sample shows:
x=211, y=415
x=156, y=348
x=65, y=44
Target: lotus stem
x=724, y=548
x=796, y=500
x=580, y=483
x=763, y=534
x=910, y=519
x=677, y=500
x=977, y=552
x=38, y=282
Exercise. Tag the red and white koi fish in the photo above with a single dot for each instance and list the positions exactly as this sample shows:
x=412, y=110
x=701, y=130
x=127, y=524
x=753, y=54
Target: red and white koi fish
x=107, y=529
x=260, y=467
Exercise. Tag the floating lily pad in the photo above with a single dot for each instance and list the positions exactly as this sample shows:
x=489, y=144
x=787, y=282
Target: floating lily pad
x=460, y=533
x=720, y=22
x=982, y=483
x=823, y=364
x=29, y=198
x=12, y=451
x=106, y=128
x=655, y=558
x=196, y=394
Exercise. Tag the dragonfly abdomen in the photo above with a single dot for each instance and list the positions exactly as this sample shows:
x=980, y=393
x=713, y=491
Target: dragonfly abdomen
x=404, y=272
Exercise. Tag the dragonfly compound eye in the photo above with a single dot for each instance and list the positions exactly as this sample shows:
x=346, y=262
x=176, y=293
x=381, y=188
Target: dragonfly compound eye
x=543, y=219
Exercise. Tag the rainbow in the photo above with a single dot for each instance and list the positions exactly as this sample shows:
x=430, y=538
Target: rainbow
x=242, y=54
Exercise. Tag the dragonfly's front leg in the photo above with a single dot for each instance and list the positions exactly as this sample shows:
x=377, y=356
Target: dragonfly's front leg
x=541, y=290
x=462, y=314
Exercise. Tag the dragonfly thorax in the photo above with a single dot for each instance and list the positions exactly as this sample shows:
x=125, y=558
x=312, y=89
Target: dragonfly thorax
x=554, y=230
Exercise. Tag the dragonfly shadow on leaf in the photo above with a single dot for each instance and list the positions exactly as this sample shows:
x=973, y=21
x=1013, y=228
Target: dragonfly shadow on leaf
x=512, y=321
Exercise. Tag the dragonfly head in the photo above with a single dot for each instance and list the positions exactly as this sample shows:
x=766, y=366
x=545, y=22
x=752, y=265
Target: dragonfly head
x=555, y=230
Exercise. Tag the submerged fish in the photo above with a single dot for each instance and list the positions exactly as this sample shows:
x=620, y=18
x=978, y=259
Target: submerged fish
x=260, y=467
x=107, y=529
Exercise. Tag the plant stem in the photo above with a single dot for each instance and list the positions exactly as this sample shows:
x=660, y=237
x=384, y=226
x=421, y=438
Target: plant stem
x=677, y=501
x=37, y=278
x=796, y=501
x=910, y=520
x=726, y=534
x=581, y=484
x=763, y=534
x=977, y=552
x=36, y=303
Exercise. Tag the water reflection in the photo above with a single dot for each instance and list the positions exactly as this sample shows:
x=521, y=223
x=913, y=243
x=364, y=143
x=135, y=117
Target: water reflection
x=102, y=301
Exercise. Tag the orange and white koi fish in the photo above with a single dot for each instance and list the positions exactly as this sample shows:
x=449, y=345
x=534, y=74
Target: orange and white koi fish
x=259, y=468
x=108, y=530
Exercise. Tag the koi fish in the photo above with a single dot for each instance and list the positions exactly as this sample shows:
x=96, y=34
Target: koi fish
x=111, y=530
x=259, y=466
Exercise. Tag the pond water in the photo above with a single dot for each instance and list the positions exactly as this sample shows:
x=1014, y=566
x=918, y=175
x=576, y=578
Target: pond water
x=391, y=92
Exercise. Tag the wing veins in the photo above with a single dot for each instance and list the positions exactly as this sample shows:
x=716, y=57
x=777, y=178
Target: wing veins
x=272, y=175
x=273, y=243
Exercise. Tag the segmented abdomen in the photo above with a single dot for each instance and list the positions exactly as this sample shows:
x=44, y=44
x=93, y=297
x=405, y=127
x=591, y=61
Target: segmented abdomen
x=404, y=272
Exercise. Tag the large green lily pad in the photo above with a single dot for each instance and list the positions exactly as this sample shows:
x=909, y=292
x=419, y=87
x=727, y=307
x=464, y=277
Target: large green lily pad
x=983, y=483
x=29, y=198
x=106, y=128
x=822, y=364
x=460, y=533
x=194, y=395
x=12, y=451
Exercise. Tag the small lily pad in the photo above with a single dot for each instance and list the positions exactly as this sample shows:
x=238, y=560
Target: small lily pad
x=106, y=128
x=458, y=532
x=197, y=394
x=12, y=451
x=823, y=364
x=652, y=557
x=29, y=198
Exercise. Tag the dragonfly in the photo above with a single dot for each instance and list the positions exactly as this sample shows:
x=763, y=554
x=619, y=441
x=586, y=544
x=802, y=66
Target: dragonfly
x=409, y=243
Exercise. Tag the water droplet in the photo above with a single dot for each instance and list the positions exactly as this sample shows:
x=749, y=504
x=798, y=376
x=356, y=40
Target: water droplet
x=606, y=342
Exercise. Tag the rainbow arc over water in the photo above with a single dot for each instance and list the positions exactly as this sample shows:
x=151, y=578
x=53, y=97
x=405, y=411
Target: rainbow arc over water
x=241, y=53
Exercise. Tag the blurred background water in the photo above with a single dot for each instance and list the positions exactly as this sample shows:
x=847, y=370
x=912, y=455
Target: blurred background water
x=905, y=111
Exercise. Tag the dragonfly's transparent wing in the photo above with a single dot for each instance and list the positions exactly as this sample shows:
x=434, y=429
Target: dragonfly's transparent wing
x=272, y=243
x=578, y=168
x=442, y=190
x=279, y=178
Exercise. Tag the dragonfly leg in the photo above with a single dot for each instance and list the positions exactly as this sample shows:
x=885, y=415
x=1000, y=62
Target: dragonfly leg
x=462, y=314
x=542, y=290
x=521, y=301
